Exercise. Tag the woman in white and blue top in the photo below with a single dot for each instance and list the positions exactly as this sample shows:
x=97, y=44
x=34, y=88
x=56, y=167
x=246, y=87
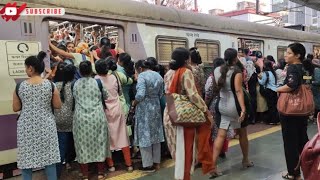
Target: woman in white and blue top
x=268, y=79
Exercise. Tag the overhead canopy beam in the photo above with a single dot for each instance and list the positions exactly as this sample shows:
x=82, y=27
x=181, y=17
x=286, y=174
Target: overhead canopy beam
x=314, y=4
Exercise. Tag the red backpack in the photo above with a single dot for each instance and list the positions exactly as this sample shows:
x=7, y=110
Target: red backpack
x=310, y=157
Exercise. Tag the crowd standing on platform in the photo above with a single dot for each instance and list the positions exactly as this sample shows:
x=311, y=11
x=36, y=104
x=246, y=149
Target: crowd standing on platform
x=78, y=110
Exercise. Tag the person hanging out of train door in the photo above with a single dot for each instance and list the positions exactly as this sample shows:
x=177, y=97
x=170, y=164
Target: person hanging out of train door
x=104, y=44
x=76, y=58
x=37, y=138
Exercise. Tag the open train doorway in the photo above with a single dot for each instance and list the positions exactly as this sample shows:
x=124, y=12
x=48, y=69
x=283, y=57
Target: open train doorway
x=66, y=31
x=62, y=32
x=80, y=39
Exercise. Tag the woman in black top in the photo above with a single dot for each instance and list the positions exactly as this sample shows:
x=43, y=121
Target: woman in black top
x=294, y=128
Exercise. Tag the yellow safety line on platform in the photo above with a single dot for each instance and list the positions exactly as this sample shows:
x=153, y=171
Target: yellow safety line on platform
x=169, y=163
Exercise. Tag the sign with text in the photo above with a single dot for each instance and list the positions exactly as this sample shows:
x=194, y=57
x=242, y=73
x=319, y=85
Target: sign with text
x=17, y=52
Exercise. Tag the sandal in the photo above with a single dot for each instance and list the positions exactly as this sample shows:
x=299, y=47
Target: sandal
x=112, y=169
x=287, y=176
x=247, y=165
x=102, y=176
x=215, y=173
x=130, y=169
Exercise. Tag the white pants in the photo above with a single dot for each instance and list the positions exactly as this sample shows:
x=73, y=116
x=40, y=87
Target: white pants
x=150, y=155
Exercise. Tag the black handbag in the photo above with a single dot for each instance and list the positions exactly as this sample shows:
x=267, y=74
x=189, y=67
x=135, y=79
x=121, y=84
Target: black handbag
x=131, y=116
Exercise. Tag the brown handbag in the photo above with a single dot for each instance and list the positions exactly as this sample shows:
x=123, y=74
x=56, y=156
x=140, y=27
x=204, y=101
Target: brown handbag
x=181, y=110
x=296, y=103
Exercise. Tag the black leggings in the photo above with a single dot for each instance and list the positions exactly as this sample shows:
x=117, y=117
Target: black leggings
x=294, y=133
x=272, y=100
x=316, y=111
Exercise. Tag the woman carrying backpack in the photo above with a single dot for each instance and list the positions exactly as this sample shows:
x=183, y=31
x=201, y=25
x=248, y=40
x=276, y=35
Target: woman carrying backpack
x=116, y=117
x=37, y=138
x=90, y=130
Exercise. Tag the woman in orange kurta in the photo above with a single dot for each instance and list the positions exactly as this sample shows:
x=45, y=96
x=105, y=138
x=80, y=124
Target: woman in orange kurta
x=181, y=140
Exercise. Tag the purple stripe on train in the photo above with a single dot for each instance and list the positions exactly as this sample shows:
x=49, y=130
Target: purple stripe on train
x=8, y=128
x=8, y=132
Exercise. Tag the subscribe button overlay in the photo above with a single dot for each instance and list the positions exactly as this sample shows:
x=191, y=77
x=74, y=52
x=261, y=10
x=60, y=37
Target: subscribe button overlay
x=12, y=11
x=43, y=11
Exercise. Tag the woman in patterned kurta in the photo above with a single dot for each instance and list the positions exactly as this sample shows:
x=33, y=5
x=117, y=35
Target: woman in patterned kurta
x=197, y=70
x=181, y=139
x=90, y=129
x=37, y=138
x=125, y=66
x=148, y=131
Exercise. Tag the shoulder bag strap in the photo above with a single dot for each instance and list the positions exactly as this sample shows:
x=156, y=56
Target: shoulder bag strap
x=267, y=81
x=234, y=92
x=17, y=89
x=73, y=100
x=101, y=91
x=118, y=82
x=17, y=92
x=84, y=57
x=52, y=92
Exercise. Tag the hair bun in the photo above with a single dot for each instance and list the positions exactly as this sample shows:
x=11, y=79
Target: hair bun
x=111, y=63
x=41, y=55
x=146, y=64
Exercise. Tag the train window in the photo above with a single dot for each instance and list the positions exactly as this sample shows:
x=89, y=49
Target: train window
x=209, y=50
x=165, y=47
x=65, y=31
x=251, y=44
x=281, y=51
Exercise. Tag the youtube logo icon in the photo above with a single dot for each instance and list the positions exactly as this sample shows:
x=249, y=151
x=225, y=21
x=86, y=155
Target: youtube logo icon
x=11, y=11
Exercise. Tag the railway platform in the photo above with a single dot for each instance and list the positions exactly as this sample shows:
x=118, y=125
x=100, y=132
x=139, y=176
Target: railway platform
x=266, y=151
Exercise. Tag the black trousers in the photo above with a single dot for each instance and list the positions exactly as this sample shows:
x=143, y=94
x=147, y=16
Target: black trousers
x=316, y=111
x=71, y=154
x=272, y=100
x=253, y=93
x=294, y=133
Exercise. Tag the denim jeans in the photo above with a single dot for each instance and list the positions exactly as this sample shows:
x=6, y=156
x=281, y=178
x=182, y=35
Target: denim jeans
x=66, y=147
x=50, y=170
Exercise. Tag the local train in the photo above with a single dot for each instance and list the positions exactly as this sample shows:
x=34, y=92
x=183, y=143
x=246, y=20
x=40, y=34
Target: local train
x=142, y=30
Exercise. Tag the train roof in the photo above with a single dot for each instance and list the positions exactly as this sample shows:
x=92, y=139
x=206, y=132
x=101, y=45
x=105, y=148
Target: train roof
x=133, y=11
